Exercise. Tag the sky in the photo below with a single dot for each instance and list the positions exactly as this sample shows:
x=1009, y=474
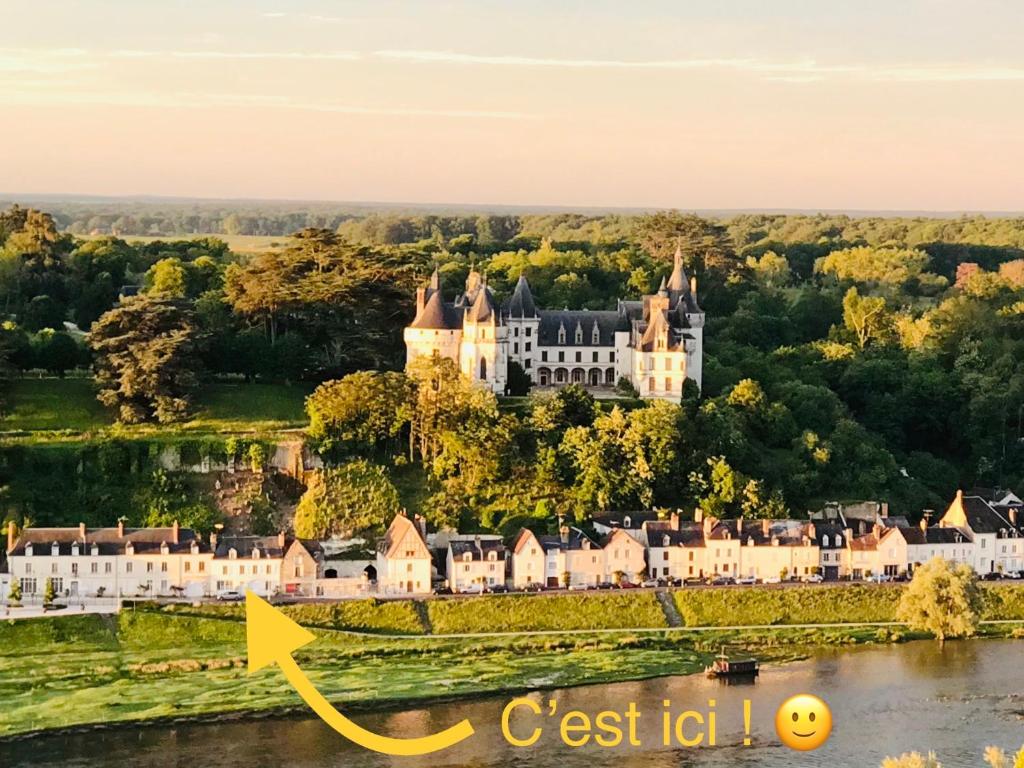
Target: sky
x=869, y=105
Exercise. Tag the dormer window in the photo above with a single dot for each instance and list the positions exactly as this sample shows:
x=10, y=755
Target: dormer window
x=595, y=336
x=561, y=334
x=54, y=549
x=164, y=549
x=467, y=557
x=28, y=549
x=839, y=541
x=824, y=540
x=627, y=522
x=255, y=553
x=579, y=333
x=94, y=551
x=195, y=548
x=750, y=541
x=232, y=554
x=129, y=549
x=74, y=549
x=665, y=541
x=492, y=555
x=586, y=544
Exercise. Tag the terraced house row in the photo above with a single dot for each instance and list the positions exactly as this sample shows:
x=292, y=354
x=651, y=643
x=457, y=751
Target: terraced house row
x=981, y=529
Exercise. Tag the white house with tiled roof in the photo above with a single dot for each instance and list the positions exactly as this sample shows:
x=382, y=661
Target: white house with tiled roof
x=656, y=343
x=404, y=565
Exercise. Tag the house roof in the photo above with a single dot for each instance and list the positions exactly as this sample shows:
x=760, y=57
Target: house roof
x=662, y=534
x=437, y=314
x=400, y=527
x=268, y=546
x=478, y=550
x=763, y=532
x=627, y=520
x=608, y=322
x=574, y=539
x=915, y=536
x=109, y=541
x=977, y=514
x=483, y=308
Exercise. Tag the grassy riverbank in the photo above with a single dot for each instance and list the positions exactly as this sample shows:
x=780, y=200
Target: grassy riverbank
x=186, y=662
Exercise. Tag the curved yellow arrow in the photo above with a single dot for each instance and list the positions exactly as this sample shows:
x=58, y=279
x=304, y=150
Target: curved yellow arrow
x=272, y=639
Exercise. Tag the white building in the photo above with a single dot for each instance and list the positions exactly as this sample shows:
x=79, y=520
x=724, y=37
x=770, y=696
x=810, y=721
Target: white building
x=404, y=565
x=656, y=343
x=155, y=562
x=998, y=545
x=475, y=564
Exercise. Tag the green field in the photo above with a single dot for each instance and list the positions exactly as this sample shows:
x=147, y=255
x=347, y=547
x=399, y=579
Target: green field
x=69, y=406
x=187, y=661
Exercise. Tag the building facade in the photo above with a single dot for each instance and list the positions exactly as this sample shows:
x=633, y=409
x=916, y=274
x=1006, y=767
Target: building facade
x=655, y=343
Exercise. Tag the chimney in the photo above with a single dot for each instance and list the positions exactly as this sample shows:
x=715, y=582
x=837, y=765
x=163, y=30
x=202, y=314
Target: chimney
x=693, y=287
x=280, y=539
x=1013, y=516
x=698, y=515
x=766, y=527
x=476, y=541
x=709, y=523
x=174, y=532
x=12, y=531
x=81, y=532
x=673, y=521
x=885, y=508
x=926, y=519
x=739, y=527
x=563, y=534
x=421, y=525
x=213, y=541
x=876, y=529
x=120, y=528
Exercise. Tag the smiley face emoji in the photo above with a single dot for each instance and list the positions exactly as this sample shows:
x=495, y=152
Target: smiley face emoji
x=803, y=722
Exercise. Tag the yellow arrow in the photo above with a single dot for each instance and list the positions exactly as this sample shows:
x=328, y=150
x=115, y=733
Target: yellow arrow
x=272, y=639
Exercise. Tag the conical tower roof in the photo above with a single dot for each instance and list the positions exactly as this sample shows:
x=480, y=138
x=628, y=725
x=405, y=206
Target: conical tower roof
x=482, y=310
x=521, y=303
x=677, y=283
x=434, y=314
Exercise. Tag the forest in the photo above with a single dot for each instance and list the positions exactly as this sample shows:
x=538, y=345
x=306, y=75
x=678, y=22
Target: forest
x=846, y=358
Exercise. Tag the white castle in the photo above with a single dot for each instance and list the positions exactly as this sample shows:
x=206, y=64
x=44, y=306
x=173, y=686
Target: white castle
x=656, y=343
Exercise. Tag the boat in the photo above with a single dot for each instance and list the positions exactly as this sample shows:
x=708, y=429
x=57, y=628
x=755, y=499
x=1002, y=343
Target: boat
x=725, y=666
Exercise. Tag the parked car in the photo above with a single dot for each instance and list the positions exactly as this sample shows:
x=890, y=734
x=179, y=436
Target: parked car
x=992, y=576
x=230, y=596
x=882, y=578
x=648, y=583
x=472, y=589
x=627, y=585
x=813, y=578
x=746, y=580
x=442, y=590
x=534, y=586
x=605, y=585
x=693, y=581
x=723, y=581
x=773, y=580
x=497, y=589
x=578, y=587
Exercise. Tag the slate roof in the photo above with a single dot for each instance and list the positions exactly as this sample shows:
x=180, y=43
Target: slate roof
x=788, y=532
x=438, y=314
x=268, y=546
x=483, y=308
x=690, y=534
x=478, y=550
x=108, y=540
x=983, y=517
x=574, y=541
x=608, y=322
x=933, y=535
x=627, y=520
x=521, y=304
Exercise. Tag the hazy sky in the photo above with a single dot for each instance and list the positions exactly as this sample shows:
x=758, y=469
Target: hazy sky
x=906, y=104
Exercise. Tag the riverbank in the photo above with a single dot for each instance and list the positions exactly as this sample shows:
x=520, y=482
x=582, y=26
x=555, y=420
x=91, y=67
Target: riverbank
x=188, y=663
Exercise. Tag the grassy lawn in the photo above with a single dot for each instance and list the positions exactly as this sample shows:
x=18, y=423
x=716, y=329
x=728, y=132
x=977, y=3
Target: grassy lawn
x=70, y=405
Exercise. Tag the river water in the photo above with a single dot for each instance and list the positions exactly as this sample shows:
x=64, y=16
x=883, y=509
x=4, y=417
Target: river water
x=885, y=700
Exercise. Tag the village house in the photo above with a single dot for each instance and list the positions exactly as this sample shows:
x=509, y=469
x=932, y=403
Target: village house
x=624, y=558
x=675, y=549
x=995, y=533
x=266, y=565
x=476, y=564
x=552, y=561
x=404, y=564
x=926, y=542
x=884, y=551
x=832, y=542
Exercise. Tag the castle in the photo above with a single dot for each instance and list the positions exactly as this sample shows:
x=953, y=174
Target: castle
x=656, y=343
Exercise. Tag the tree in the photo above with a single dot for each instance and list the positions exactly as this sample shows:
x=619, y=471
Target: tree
x=770, y=271
x=519, y=382
x=14, y=596
x=942, y=599
x=865, y=316
x=44, y=312
x=145, y=359
x=56, y=353
x=566, y=579
x=997, y=758
x=705, y=245
x=342, y=501
x=49, y=593
x=362, y=414
x=167, y=277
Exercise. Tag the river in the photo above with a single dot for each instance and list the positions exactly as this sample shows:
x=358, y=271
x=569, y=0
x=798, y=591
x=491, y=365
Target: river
x=885, y=700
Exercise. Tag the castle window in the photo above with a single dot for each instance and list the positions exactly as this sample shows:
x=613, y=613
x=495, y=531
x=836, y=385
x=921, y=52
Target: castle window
x=529, y=331
x=527, y=363
x=579, y=334
x=515, y=331
x=515, y=348
x=650, y=384
x=544, y=356
x=579, y=357
x=611, y=357
x=483, y=369
x=529, y=346
x=561, y=357
x=595, y=337
x=595, y=356
x=561, y=335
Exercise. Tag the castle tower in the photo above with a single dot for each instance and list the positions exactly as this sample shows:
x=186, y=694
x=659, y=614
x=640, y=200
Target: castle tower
x=482, y=353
